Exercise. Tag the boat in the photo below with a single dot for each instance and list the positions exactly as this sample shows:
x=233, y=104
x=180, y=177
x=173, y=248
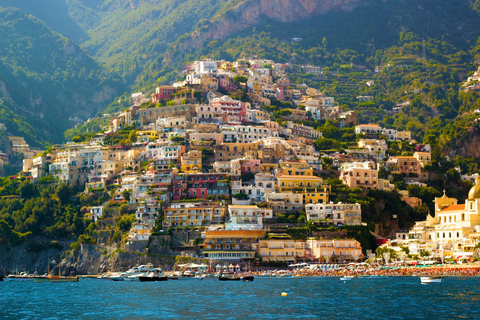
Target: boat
x=247, y=278
x=346, y=278
x=18, y=277
x=282, y=273
x=431, y=279
x=229, y=278
x=153, y=277
x=112, y=276
x=55, y=279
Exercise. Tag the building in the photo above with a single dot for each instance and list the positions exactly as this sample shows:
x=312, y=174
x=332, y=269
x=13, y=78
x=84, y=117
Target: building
x=248, y=134
x=194, y=214
x=292, y=182
x=455, y=228
x=360, y=175
x=335, y=213
x=205, y=66
x=373, y=148
x=368, y=129
x=282, y=248
x=423, y=157
x=334, y=250
x=231, y=244
x=410, y=166
x=236, y=110
x=96, y=212
x=200, y=186
x=247, y=217
x=163, y=93
x=191, y=162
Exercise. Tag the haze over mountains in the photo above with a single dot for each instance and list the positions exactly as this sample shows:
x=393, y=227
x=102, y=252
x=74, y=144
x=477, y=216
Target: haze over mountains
x=133, y=45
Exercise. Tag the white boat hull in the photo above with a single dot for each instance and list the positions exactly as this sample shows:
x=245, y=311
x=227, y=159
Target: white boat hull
x=18, y=279
x=430, y=280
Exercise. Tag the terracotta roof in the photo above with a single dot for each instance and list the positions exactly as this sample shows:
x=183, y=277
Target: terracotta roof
x=454, y=207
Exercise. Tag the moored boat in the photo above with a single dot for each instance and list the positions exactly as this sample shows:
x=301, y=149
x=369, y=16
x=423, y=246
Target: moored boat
x=247, y=278
x=431, y=279
x=18, y=277
x=148, y=278
x=228, y=278
x=55, y=279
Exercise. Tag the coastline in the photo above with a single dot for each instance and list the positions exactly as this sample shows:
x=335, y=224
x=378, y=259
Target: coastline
x=444, y=271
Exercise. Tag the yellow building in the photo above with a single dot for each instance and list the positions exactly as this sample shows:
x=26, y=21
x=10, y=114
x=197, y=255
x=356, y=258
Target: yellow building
x=294, y=167
x=232, y=244
x=192, y=162
x=227, y=66
x=268, y=167
x=316, y=196
x=282, y=248
x=193, y=214
x=148, y=135
x=123, y=120
x=290, y=182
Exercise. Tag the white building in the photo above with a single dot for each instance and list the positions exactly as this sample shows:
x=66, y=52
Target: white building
x=96, y=212
x=338, y=214
x=205, y=66
x=245, y=217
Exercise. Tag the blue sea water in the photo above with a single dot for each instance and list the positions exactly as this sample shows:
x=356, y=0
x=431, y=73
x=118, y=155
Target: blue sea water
x=308, y=298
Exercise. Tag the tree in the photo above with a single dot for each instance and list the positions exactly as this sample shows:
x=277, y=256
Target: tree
x=126, y=195
x=240, y=79
x=132, y=136
x=425, y=254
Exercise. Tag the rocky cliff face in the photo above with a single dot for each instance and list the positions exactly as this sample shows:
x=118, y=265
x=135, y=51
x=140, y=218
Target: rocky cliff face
x=251, y=12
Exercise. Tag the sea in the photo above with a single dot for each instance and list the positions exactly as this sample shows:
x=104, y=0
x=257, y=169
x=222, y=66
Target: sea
x=306, y=298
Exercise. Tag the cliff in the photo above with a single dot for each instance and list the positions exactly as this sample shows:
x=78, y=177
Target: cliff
x=251, y=12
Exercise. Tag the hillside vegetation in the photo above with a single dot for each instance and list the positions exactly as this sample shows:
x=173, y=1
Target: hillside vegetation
x=46, y=79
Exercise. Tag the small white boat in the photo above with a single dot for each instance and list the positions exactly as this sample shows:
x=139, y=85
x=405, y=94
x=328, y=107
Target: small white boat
x=431, y=279
x=346, y=278
x=18, y=277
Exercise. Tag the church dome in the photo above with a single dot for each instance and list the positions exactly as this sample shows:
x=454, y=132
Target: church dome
x=474, y=193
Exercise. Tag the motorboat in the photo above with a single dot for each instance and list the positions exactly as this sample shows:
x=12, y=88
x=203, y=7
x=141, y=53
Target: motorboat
x=282, y=273
x=112, y=276
x=431, y=279
x=247, y=278
x=346, y=278
x=134, y=273
x=18, y=277
x=153, y=277
x=229, y=278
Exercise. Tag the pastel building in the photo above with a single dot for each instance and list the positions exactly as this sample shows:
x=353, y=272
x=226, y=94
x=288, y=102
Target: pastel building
x=231, y=244
x=335, y=213
x=360, y=175
x=247, y=217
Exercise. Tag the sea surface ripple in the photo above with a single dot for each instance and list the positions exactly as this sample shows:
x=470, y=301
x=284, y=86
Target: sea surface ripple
x=308, y=298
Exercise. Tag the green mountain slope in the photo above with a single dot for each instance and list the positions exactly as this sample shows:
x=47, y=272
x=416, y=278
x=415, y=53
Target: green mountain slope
x=46, y=78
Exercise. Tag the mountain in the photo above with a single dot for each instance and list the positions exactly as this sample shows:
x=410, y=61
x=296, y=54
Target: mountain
x=147, y=41
x=46, y=79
